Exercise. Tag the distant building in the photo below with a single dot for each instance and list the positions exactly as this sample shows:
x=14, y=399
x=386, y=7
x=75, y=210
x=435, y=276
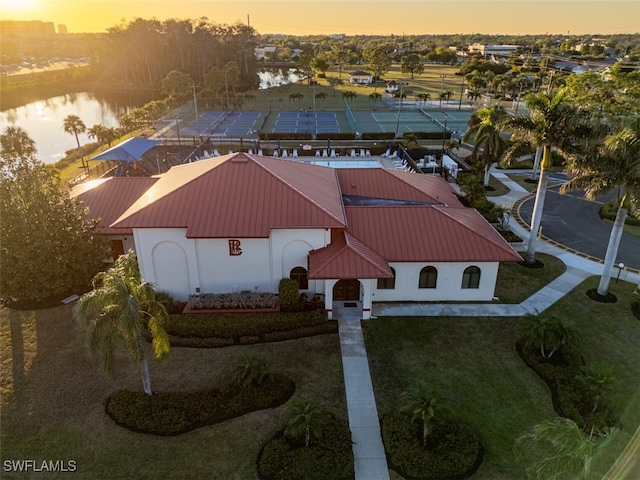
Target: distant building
x=360, y=77
x=495, y=50
x=62, y=28
x=32, y=27
x=261, y=53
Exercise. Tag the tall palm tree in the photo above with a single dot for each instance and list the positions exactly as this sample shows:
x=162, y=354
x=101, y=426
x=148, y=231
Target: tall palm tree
x=489, y=143
x=420, y=400
x=122, y=309
x=16, y=147
x=375, y=97
x=559, y=449
x=615, y=166
x=599, y=378
x=553, y=123
x=97, y=132
x=304, y=418
x=73, y=125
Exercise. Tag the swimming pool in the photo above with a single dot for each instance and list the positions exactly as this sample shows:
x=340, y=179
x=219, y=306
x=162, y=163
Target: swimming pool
x=345, y=163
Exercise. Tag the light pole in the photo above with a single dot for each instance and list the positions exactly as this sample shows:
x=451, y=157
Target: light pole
x=399, y=107
x=444, y=135
x=178, y=128
x=195, y=103
x=620, y=267
x=461, y=93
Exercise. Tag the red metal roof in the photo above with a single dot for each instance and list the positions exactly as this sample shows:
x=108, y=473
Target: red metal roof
x=428, y=234
x=396, y=185
x=240, y=195
x=347, y=257
x=108, y=198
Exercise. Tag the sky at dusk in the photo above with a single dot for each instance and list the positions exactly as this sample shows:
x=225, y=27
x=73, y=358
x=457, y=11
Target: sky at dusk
x=369, y=17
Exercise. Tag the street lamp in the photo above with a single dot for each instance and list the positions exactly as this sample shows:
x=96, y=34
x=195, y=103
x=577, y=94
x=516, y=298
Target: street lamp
x=620, y=267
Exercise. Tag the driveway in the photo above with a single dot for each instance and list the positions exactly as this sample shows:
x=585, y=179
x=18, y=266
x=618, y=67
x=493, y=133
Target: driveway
x=575, y=223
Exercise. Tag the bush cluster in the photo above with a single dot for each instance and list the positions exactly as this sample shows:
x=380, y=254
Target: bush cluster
x=329, y=456
x=569, y=396
x=609, y=211
x=336, y=136
x=429, y=135
x=235, y=325
x=288, y=294
x=454, y=450
x=378, y=135
x=285, y=136
x=239, y=300
x=173, y=413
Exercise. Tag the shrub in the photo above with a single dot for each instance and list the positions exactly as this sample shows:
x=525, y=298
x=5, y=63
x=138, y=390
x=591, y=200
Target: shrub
x=288, y=294
x=250, y=370
x=232, y=301
x=454, y=452
x=173, y=413
x=330, y=456
x=609, y=211
x=236, y=325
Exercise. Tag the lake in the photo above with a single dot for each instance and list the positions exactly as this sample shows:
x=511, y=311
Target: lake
x=43, y=120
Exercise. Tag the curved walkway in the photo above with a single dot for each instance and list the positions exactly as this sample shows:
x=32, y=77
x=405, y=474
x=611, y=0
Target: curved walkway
x=369, y=455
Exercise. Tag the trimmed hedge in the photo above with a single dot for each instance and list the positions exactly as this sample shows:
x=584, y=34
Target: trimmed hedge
x=378, y=135
x=235, y=325
x=609, y=211
x=336, y=136
x=329, y=456
x=429, y=135
x=569, y=396
x=454, y=450
x=173, y=413
x=285, y=136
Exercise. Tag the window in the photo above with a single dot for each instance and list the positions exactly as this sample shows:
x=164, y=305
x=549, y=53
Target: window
x=299, y=274
x=428, y=277
x=471, y=277
x=387, y=283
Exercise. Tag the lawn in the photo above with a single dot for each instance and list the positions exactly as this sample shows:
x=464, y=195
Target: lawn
x=487, y=385
x=53, y=397
x=516, y=282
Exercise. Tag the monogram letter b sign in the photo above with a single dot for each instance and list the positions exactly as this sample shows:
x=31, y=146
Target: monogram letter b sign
x=234, y=248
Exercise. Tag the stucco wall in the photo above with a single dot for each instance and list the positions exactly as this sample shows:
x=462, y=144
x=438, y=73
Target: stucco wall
x=448, y=287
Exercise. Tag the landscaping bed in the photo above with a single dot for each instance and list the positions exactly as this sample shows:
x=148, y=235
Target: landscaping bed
x=209, y=330
x=329, y=456
x=453, y=450
x=569, y=397
x=173, y=413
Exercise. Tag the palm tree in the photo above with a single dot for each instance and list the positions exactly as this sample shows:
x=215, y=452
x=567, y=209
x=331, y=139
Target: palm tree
x=250, y=370
x=16, y=147
x=375, y=97
x=349, y=95
x=559, y=449
x=304, y=418
x=420, y=400
x=599, y=378
x=489, y=143
x=73, y=124
x=551, y=334
x=423, y=97
x=122, y=308
x=615, y=166
x=553, y=123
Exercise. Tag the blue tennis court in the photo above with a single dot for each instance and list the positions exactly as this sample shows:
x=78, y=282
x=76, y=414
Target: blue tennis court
x=224, y=124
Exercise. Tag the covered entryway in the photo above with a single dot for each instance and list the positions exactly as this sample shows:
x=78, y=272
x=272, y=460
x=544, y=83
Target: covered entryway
x=346, y=289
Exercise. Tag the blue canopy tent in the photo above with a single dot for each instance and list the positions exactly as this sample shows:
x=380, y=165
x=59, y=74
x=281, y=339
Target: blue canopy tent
x=127, y=152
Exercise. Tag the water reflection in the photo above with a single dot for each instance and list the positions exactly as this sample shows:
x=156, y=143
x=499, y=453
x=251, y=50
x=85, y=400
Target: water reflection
x=276, y=77
x=44, y=119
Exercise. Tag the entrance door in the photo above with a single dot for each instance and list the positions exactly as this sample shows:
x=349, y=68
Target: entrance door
x=346, y=289
x=117, y=248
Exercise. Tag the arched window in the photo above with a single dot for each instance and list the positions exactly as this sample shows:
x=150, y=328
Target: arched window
x=387, y=283
x=471, y=277
x=299, y=274
x=428, y=277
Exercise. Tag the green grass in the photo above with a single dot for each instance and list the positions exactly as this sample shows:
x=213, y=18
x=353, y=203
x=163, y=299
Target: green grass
x=516, y=283
x=486, y=383
x=53, y=398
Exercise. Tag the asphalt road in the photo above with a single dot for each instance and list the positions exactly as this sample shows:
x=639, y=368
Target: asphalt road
x=575, y=223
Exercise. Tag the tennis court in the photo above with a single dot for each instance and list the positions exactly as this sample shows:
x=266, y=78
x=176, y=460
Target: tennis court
x=407, y=121
x=234, y=124
x=306, y=122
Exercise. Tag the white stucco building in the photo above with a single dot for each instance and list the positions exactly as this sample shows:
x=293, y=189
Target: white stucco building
x=244, y=222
